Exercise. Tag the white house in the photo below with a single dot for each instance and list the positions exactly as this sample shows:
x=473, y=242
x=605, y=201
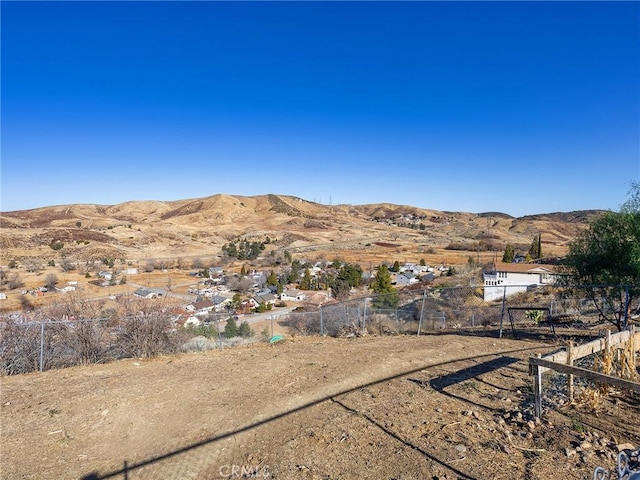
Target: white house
x=106, y=275
x=200, y=308
x=509, y=278
x=293, y=295
x=148, y=292
x=220, y=302
x=68, y=288
x=192, y=321
x=406, y=278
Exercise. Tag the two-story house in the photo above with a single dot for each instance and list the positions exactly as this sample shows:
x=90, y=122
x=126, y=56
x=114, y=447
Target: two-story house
x=506, y=279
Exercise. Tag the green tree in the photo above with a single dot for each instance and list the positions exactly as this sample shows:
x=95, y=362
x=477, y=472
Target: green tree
x=294, y=274
x=386, y=294
x=245, y=330
x=396, y=266
x=231, y=328
x=509, y=254
x=351, y=273
x=632, y=204
x=340, y=289
x=535, y=250
x=606, y=256
x=423, y=262
x=305, y=284
x=236, y=301
x=272, y=279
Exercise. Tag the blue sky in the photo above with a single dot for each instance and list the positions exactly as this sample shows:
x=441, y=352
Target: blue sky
x=518, y=107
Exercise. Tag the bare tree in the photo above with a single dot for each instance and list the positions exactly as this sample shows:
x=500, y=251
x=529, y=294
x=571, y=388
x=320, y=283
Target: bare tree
x=50, y=281
x=33, y=265
x=18, y=347
x=14, y=281
x=145, y=330
x=25, y=303
x=149, y=266
x=197, y=263
x=66, y=264
x=240, y=284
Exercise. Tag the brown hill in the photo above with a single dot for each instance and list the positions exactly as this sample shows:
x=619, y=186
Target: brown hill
x=199, y=227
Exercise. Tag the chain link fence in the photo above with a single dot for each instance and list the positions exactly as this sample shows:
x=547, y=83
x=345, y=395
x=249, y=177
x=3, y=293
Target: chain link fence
x=32, y=346
x=467, y=307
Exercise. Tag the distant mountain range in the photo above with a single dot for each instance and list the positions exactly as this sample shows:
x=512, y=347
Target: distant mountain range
x=201, y=226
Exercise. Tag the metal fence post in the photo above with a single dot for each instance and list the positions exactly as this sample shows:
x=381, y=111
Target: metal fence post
x=424, y=300
x=364, y=315
x=626, y=307
x=41, y=346
x=219, y=334
x=504, y=299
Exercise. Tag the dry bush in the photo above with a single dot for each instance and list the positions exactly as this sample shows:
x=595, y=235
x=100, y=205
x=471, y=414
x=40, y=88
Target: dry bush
x=19, y=347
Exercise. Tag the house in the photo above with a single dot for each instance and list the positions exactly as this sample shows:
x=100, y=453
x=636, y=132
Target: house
x=148, y=293
x=186, y=320
x=429, y=277
x=216, y=271
x=293, y=295
x=266, y=298
x=106, y=275
x=200, y=308
x=413, y=268
x=192, y=321
x=507, y=279
x=220, y=302
x=406, y=278
x=68, y=288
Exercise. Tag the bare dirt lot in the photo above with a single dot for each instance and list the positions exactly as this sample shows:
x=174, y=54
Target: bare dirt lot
x=440, y=406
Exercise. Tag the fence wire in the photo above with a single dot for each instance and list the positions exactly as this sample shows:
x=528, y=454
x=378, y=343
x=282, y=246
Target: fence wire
x=27, y=346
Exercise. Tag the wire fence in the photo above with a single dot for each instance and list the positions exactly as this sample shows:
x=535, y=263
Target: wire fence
x=27, y=346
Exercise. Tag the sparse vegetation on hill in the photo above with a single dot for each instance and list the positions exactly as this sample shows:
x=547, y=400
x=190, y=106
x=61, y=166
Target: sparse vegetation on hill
x=201, y=227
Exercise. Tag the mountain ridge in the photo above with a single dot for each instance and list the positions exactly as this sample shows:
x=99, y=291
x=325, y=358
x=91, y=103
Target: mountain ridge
x=201, y=226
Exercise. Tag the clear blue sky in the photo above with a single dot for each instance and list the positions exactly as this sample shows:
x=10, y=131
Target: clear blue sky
x=519, y=107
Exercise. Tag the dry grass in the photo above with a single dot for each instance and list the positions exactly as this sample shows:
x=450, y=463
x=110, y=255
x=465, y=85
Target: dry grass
x=180, y=232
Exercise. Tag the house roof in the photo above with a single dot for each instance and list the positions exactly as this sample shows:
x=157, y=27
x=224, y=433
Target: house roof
x=266, y=297
x=143, y=292
x=525, y=268
x=218, y=299
x=203, y=304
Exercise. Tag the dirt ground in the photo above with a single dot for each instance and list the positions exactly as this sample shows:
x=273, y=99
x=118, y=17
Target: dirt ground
x=398, y=407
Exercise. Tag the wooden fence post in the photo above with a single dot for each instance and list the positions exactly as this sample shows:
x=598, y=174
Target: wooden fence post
x=570, y=376
x=537, y=388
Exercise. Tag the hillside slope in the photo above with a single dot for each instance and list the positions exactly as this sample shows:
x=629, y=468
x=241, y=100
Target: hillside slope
x=201, y=226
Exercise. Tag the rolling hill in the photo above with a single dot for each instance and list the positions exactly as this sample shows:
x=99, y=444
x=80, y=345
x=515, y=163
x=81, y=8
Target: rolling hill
x=200, y=227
